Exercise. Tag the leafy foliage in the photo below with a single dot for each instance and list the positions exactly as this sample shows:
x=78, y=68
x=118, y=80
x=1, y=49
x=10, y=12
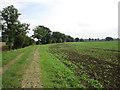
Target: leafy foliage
x=45, y=36
x=77, y=39
x=108, y=38
x=13, y=31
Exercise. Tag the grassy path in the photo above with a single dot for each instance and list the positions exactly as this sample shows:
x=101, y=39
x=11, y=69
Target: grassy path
x=32, y=75
x=5, y=67
x=12, y=78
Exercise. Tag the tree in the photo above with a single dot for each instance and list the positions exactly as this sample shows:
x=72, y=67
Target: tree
x=10, y=18
x=63, y=37
x=43, y=34
x=19, y=41
x=28, y=41
x=1, y=24
x=81, y=40
x=69, y=39
x=89, y=39
x=108, y=38
x=58, y=37
x=76, y=39
x=53, y=39
x=13, y=31
x=98, y=39
x=46, y=39
x=20, y=35
x=31, y=41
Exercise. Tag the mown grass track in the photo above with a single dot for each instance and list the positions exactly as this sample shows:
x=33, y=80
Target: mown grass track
x=12, y=78
x=32, y=75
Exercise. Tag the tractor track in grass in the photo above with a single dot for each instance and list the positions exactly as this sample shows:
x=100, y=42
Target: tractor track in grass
x=5, y=67
x=32, y=75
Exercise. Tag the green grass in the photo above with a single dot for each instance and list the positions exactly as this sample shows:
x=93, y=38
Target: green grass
x=100, y=50
x=101, y=44
x=13, y=76
x=67, y=65
x=91, y=62
x=54, y=73
x=10, y=55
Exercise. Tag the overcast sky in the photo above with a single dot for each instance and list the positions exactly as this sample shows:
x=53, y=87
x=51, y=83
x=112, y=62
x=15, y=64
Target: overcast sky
x=78, y=18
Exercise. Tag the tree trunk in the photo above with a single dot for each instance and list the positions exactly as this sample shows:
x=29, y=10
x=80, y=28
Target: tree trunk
x=9, y=47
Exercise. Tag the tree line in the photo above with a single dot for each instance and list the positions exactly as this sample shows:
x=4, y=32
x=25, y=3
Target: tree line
x=14, y=33
x=46, y=36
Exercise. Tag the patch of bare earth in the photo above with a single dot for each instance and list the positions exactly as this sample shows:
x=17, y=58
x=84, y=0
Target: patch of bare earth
x=5, y=67
x=32, y=75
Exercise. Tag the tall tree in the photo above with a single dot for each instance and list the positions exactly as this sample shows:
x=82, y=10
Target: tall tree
x=59, y=37
x=43, y=34
x=63, y=37
x=77, y=39
x=69, y=39
x=108, y=38
x=90, y=39
x=13, y=31
x=20, y=35
x=10, y=18
x=81, y=40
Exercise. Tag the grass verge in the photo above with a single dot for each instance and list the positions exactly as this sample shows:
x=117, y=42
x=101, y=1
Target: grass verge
x=54, y=73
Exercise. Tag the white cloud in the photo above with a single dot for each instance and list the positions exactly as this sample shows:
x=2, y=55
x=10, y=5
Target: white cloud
x=21, y=3
x=78, y=18
x=50, y=2
x=97, y=16
x=16, y=3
